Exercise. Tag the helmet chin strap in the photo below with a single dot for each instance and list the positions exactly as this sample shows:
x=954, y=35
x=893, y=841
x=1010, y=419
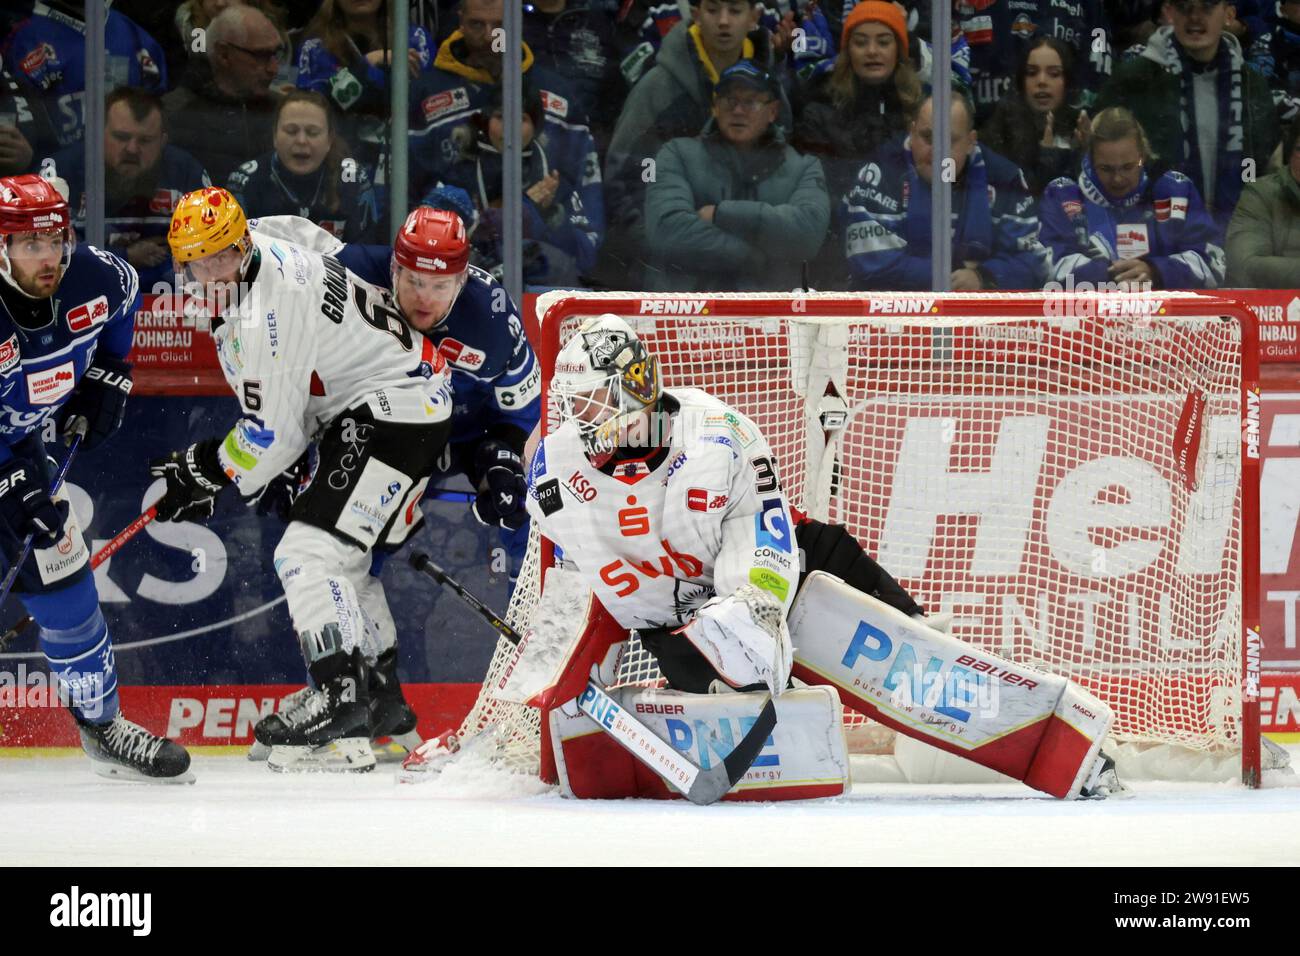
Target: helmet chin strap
x=7, y=269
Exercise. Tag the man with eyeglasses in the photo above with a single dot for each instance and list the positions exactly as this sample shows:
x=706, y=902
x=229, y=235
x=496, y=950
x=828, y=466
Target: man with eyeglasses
x=224, y=114
x=735, y=208
x=887, y=234
x=1205, y=112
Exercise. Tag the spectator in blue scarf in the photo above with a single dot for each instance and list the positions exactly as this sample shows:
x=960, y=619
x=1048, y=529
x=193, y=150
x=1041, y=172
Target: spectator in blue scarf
x=1123, y=228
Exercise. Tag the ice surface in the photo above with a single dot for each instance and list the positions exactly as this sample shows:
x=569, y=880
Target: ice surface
x=241, y=813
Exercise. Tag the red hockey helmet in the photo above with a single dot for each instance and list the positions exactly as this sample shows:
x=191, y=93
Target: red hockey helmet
x=30, y=203
x=432, y=241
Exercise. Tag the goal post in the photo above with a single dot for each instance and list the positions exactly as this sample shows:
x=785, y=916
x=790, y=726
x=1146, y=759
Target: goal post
x=1074, y=477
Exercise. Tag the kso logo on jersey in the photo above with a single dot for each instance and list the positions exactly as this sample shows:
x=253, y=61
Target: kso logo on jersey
x=771, y=529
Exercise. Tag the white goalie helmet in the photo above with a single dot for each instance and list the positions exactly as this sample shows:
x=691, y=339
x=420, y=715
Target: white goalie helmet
x=603, y=379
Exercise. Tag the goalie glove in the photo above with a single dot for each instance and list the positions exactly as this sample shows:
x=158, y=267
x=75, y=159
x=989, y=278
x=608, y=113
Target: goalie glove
x=194, y=479
x=98, y=404
x=745, y=637
x=501, y=488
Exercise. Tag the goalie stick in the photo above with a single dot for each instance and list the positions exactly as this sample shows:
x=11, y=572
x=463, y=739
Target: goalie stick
x=700, y=786
x=98, y=558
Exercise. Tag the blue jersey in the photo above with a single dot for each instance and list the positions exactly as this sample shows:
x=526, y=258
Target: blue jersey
x=496, y=380
x=49, y=50
x=93, y=309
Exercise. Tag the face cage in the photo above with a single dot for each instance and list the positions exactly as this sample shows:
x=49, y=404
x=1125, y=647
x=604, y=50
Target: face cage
x=7, y=269
x=599, y=433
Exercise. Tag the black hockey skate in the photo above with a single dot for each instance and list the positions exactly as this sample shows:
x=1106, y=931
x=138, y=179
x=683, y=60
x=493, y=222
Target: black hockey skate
x=1103, y=782
x=122, y=750
x=328, y=729
x=275, y=726
x=391, y=716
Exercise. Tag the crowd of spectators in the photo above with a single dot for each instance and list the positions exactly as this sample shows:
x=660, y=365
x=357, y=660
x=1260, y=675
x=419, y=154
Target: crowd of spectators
x=711, y=145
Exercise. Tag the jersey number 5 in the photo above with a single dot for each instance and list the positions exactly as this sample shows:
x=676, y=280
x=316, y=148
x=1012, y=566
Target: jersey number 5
x=382, y=317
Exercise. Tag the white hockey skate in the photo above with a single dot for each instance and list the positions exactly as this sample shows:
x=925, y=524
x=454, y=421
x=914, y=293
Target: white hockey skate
x=1103, y=782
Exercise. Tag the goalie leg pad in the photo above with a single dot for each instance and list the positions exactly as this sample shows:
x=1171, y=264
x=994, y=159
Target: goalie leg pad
x=805, y=758
x=1035, y=727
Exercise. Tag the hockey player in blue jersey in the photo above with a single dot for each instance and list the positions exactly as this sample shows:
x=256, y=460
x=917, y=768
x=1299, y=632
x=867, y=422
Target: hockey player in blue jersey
x=67, y=315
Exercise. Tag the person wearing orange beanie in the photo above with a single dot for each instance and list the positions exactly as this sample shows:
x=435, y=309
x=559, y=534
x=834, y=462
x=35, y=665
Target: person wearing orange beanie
x=876, y=11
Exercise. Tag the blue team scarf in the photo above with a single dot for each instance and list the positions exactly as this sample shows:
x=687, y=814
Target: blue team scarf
x=1101, y=208
x=1230, y=67
x=973, y=233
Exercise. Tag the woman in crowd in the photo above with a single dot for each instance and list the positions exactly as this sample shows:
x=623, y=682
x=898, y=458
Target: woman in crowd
x=307, y=175
x=867, y=98
x=1034, y=125
x=1124, y=226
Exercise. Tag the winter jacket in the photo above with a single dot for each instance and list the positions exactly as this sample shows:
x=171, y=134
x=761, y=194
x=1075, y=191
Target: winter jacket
x=771, y=214
x=1264, y=235
x=887, y=236
x=1151, y=86
x=561, y=240
x=999, y=32
x=845, y=140
x=453, y=91
x=1163, y=222
x=674, y=99
x=219, y=131
x=265, y=188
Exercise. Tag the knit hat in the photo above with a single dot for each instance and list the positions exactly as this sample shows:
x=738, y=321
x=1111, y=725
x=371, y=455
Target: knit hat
x=876, y=11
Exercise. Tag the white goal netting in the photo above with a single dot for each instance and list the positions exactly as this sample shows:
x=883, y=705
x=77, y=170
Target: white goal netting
x=1063, y=475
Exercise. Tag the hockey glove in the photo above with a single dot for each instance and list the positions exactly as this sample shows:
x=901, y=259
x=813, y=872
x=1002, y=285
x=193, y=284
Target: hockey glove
x=194, y=479
x=26, y=506
x=98, y=404
x=501, y=490
x=279, y=494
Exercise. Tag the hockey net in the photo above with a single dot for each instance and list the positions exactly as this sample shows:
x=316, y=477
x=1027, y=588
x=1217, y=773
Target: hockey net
x=1073, y=478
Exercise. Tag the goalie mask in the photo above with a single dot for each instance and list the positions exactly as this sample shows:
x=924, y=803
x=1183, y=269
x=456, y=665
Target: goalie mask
x=604, y=378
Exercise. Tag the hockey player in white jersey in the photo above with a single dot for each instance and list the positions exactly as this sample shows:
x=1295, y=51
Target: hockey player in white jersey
x=313, y=354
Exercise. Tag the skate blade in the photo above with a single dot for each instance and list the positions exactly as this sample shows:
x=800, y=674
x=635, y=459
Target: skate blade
x=112, y=771
x=346, y=755
x=258, y=751
x=395, y=748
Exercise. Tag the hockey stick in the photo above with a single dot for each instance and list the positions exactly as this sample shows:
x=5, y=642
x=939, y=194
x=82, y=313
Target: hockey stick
x=12, y=575
x=700, y=786
x=98, y=558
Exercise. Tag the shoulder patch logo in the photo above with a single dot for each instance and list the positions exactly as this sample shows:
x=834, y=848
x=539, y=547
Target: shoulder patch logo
x=9, y=354
x=88, y=314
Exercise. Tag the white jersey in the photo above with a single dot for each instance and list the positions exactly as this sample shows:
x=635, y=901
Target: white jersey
x=310, y=341
x=655, y=545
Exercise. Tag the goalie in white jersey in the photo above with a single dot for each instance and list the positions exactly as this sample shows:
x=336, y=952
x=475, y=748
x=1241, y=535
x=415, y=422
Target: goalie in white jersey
x=668, y=502
x=313, y=354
